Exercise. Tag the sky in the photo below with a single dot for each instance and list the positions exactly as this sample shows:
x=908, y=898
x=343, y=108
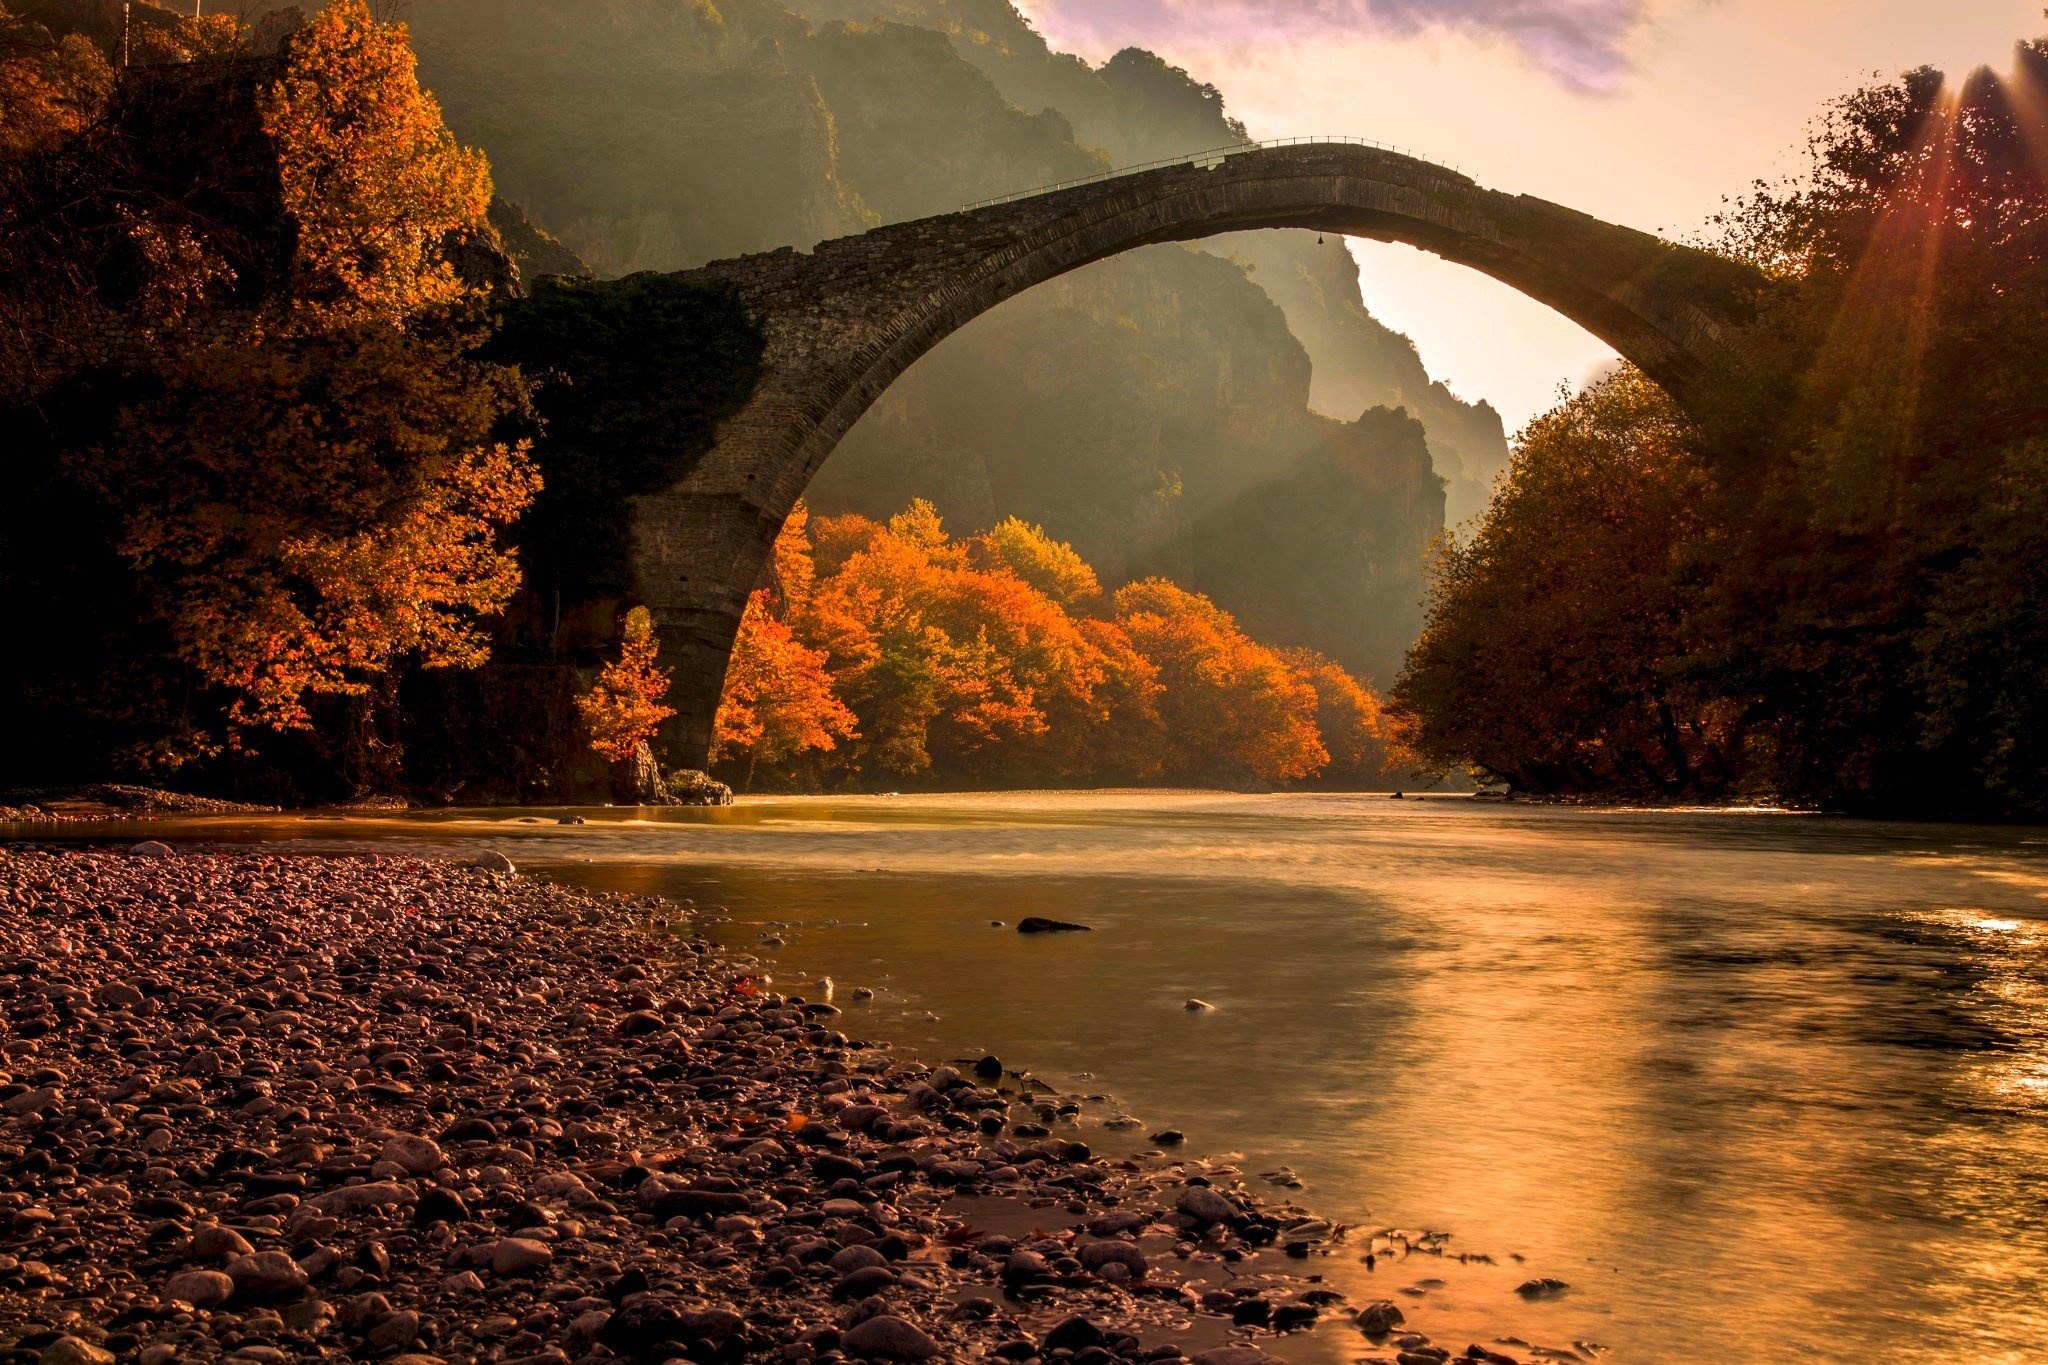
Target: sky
x=1644, y=112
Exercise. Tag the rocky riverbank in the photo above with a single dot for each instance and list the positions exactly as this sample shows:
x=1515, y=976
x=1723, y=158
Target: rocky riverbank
x=110, y=801
x=267, y=1108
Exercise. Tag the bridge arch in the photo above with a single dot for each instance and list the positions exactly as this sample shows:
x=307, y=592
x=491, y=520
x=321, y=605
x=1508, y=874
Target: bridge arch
x=843, y=321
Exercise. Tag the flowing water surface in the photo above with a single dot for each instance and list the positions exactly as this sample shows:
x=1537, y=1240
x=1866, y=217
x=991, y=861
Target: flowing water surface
x=1756, y=1086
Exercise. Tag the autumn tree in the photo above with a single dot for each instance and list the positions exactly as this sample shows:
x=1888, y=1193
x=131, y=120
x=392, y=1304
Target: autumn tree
x=1232, y=708
x=948, y=665
x=1053, y=567
x=1826, y=589
x=778, y=701
x=296, y=458
x=1125, y=739
x=1876, y=629
x=624, y=708
x=311, y=513
x=892, y=651
x=1351, y=721
x=188, y=38
x=373, y=179
x=1552, y=653
x=50, y=88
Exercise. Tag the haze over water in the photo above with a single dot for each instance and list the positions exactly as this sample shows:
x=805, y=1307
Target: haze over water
x=1755, y=1085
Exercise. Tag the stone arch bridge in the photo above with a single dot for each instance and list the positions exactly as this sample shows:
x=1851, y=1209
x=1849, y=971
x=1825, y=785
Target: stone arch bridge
x=842, y=321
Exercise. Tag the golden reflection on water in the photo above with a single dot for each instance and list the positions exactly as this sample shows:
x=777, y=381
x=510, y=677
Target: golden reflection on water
x=1756, y=1086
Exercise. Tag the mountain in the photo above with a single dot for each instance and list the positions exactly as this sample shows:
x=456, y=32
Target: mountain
x=1124, y=407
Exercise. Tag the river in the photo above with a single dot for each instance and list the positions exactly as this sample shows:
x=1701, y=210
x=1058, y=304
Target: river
x=1754, y=1085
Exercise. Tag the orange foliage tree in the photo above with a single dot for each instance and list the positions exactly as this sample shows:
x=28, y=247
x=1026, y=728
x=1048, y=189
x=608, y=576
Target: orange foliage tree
x=189, y=38
x=1229, y=703
x=778, y=700
x=317, y=503
x=311, y=513
x=371, y=175
x=944, y=661
x=49, y=88
x=904, y=653
x=1363, y=742
x=623, y=709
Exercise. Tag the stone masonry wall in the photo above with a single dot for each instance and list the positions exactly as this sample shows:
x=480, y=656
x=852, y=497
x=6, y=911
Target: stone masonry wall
x=843, y=321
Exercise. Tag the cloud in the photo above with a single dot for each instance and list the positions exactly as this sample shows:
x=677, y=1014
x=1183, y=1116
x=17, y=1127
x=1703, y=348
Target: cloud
x=1583, y=43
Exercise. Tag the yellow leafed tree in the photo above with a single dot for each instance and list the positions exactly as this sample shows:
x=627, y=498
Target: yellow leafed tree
x=371, y=175
x=778, y=699
x=623, y=709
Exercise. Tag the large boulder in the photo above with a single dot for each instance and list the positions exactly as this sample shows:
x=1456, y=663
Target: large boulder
x=689, y=787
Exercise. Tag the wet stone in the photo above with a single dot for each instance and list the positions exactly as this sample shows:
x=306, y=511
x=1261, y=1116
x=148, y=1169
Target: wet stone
x=408, y=1110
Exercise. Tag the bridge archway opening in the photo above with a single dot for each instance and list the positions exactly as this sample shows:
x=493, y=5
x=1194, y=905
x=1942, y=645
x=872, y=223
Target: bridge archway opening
x=844, y=321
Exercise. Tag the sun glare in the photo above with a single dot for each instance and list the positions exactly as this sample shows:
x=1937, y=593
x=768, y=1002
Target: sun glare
x=1965, y=43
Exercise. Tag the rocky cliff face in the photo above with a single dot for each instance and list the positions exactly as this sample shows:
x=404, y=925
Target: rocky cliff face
x=1181, y=443
x=1326, y=549
x=646, y=136
x=1360, y=363
x=1113, y=406
x=1125, y=407
x=922, y=132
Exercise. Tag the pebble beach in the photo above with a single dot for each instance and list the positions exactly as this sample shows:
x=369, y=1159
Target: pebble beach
x=270, y=1107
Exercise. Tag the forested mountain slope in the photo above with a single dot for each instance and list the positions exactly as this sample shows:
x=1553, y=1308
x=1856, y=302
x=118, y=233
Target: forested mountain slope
x=1122, y=408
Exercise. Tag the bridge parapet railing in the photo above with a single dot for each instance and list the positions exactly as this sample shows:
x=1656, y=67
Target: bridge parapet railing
x=1204, y=160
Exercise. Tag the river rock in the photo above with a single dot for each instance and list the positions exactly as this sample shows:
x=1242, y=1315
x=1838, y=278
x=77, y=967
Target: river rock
x=1544, y=1288
x=519, y=1256
x=119, y=995
x=356, y=1198
x=860, y=1257
x=859, y=1284
x=1378, y=1319
x=462, y=1284
x=200, y=1288
x=394, y=1331
x=888, y=1337
x=403, y=1080
x=1074, y=1333
x=69, y=1350
x=218, y=1244
x=416, y=1155
x=1024, y=1266
x=690, y=787
x=1099, y=1256
x=1205, y=1205
x=267, y=1275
